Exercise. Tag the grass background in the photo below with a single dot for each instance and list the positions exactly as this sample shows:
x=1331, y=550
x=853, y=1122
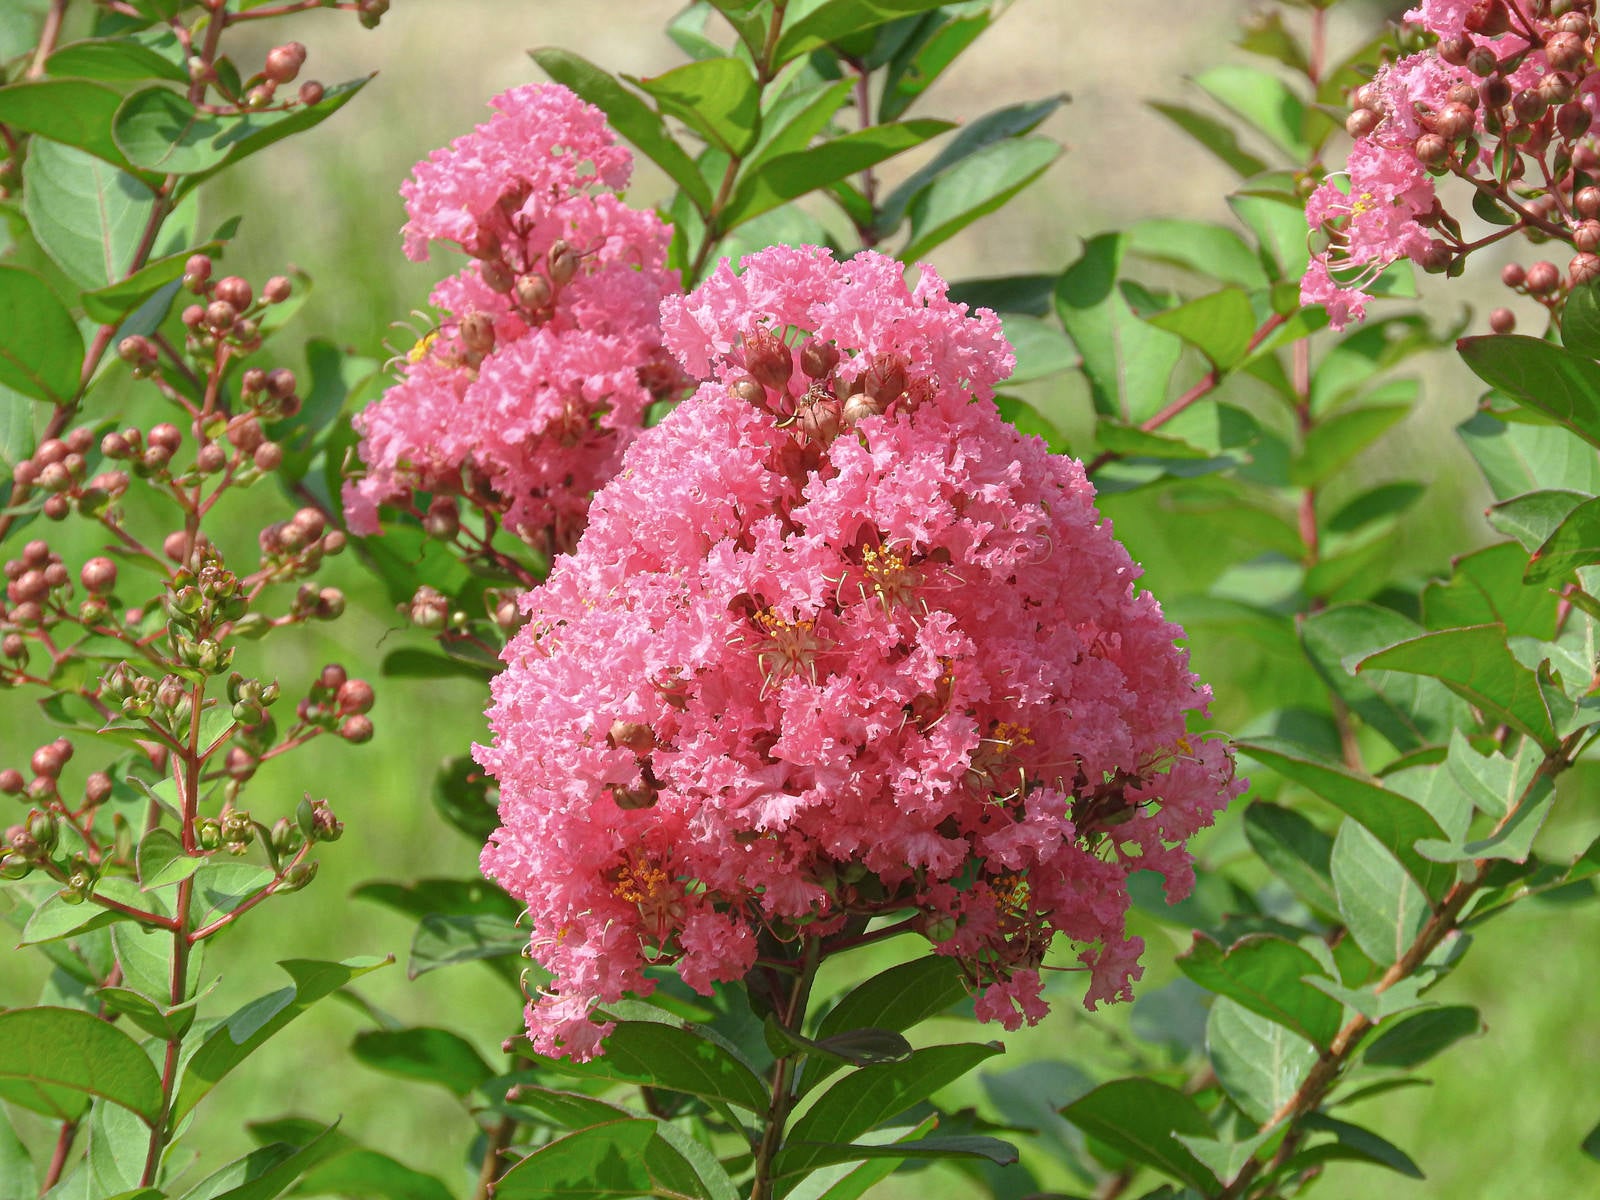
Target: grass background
x=1505, y=1113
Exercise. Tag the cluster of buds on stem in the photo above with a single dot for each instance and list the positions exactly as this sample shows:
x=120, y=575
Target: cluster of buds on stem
x=1504, y=102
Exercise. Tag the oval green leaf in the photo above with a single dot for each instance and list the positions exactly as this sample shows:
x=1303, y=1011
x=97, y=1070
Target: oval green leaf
x=41, y=350
x=53, y=1060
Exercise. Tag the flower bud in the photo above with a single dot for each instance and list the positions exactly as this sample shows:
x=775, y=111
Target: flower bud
x=220, y=316
x=885, y=379
x=1482, y=61
x=748, y=390
x=355, y=696
x=49, y=759
x=563, y=261
x=443, y=518
x=1543, y=278
x=1556, y=88
x=97, y=788
x=356, y=729
x=1513, y=275
x=1456, y=121
x=533, y=292
x=1573, y=120
x=1361, y=122
x=208, y=832
x=428, y=608
x=1454, y=50
x=1565, y=52
x=1495, y=92
x=13, y=647
x=268, y=456
x=330, y=604
x=136, y=351
x=477, y=333
x=311, y=92
x=317, y=822
x=370, y=12
x=1502, y=320
x=768, y=359
x=284, y=62
x=632, y=735
x=1432, y=149
x=11, y=782
x=1529, y=105
x=281, y=383
x=1584, y=268
x=818, y=358
x=99, y=575
x=232, y=289
x=196, y=273
x=497, y=277
x=298, y=876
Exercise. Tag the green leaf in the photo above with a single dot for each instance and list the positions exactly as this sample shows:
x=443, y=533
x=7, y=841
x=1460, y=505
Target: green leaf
x=1591, y=1143
x=938, y=42
x=716, y=97
x=58, y=917
x=1264, y=973
x=112, y=303
x=113, y=60
x=1413, y=1041
x=1219, y=325
x=367, y=1173
x=1352, y=1144
x=846, y=1182
x=265, y=1173
x=1513, y=840
x=630, y=116
x=1580, y=321
x=906, y=994
x=1278, y=220
x=17, y=1175
x=678, y=1058
x=1295, y=850
x=41, y=350
x=1140, y=1118
x=1133, y=442
x=220, y=886
x=1382, y=906
x=1475, y=663
x=1199, y=246
x=155, y=1019
x=1396, y=821
x=53, y=1060
x=1493, y=782
x=868, y=1096
x=411, y=662
x=145, y=956
x=1375, y=504
x=1574, y=543
x=824, y=1154
x=160, y=130
x=832, y=20
x=1522, y=456
x=973, y=188
x=626, y=1157
x=458, y=896
x=1542, y=376
x=1225, y=1159
x=1259, y=1063
x=224, y=1044
x=89, y=217
x=1335, y=441
x=1127, y=361
x=792, y=175
x=858, y=1047
x=998, y=127
x=1486, y=588
x=1214, y=135
x=1041, y=348
x=74, y=112
x=426, y=1054
x=1264, y=101
x=448, y=939
x=1533, y=516
x=564, y=1110
x=163, y=861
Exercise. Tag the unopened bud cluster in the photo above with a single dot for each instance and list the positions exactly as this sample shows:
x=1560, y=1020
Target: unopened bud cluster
x=1504, y=100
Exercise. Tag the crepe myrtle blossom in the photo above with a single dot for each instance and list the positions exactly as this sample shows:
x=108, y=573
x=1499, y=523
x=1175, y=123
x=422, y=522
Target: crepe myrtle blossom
x=837, y=642
x=548, y=350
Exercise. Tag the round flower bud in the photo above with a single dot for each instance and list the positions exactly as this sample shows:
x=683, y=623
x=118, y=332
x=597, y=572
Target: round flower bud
x=13, y=647
x=99, y=575
x=369, y=13
x=196, y=273
x=167, y=436
x=11, y=782
x=311, y=92
x=80, y=440
x=97, y=787
x=749, y=391
x=1565, y=52
x=1502, y=320
x=51, y=450
x=428, y=608
x=268, y=456
x=1454, y=50
x=49, y=759
x=818, y=358
x=1361, y=122
x=281, y=383
x=1495, y=92
x=56, y=508
x=310, y=522
x=176, y=545
x=477, y=333
x=25, y=473
x=1587, y=236
x=220, y=315
x=234, y=290
x=1529, y=105
x=194, y=316
x=330, y=604
x=1481, y=60
x=767, y=359
x=1556, y=88
x=1513, y=275
x=55, y=576
x=259, y=96
x=1573, y=120
x=210, y=459
x=245, y=433
x=533, y=292
x=1456, y=121
x=633, y=735
x=54, y=478
x=36, y=553
x=563, y=261
x=1572, y=22
x=1584, y=268
x=443, y=518
x=355, y=696
x=356, y=729
x=284, y=62
x=136, y=351
x=277, y=289
x=1543, y=278
x=497, y=277
x=1432, y=149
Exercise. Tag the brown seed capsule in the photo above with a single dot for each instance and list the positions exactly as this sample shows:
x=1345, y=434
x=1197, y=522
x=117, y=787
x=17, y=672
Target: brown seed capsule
x=1543, y=278
x=443, y=518
x=533, y=292
x=563, y=260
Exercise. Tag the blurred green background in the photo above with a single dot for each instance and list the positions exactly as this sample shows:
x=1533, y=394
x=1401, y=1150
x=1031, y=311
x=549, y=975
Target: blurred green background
x=1505, y=1113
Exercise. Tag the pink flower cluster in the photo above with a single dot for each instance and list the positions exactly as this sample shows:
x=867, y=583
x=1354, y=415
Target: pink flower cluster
x=549, y=349
x=839, y=642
